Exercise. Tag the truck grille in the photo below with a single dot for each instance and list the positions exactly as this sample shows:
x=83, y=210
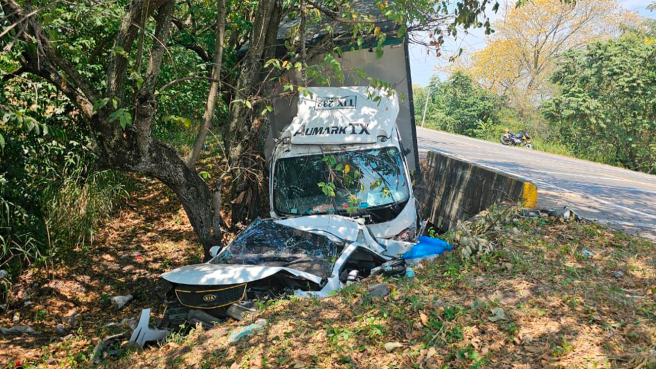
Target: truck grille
x=204, y=297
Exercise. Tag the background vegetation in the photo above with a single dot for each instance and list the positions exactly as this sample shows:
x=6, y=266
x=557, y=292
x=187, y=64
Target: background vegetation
x=578, y=77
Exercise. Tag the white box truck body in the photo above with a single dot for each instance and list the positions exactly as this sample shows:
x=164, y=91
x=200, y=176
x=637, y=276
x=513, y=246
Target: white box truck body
x=342, y=154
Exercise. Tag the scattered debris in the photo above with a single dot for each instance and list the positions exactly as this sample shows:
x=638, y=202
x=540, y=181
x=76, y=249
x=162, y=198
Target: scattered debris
x=19, y=329
x=3, y=307
x=60, y=328
x=410, y=273
x=587, y=253
x=102, y=348
x=128, y=322
x=239, y=310
x=391, y=346
x=530, y=213
x=619, y=274
x=3, y=273
x=16, y=318
x=143, y=334
x=379, y=290
x=564, y=213
x=206, y=320
x=242, y=332
x=120, y=301
x=390, y=268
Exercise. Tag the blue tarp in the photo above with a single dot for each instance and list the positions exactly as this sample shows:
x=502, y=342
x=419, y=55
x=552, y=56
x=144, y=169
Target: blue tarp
x=427, y=246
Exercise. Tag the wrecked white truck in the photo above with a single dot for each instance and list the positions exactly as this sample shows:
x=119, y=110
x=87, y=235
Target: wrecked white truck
x=342, y=208
x=342, y=154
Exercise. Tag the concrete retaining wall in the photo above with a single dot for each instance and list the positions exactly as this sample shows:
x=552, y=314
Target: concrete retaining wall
x=453, y=189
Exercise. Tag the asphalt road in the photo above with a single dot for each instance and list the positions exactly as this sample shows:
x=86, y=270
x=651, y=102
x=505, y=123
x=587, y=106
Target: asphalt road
x=618, y=197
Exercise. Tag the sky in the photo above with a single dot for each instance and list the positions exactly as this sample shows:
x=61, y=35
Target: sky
x=424, y=66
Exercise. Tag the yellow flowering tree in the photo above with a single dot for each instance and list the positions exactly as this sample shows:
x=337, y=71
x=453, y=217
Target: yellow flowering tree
x=520, y=56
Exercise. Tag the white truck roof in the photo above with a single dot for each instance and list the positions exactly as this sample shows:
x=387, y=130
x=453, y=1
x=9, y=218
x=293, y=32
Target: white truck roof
x=343, y=115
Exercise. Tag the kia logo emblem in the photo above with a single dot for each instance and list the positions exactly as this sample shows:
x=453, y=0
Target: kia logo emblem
x=209, y=298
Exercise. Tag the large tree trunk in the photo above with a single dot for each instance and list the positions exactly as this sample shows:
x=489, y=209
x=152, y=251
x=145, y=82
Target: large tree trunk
x=244, y=133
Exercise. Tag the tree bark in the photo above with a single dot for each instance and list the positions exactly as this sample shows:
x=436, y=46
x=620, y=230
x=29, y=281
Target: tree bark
x=214, y=87
x=242, y=136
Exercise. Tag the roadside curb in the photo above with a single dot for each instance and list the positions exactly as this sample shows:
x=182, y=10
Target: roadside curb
x=455, y=189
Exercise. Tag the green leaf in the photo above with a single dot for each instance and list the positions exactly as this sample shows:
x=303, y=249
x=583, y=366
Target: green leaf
x=123, y=116
x=2, y=142
x=100, y=104
x=401, y=31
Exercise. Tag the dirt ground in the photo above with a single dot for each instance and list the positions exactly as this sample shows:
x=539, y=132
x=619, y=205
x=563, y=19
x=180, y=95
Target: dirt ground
x=550, y=295
x=149, y=235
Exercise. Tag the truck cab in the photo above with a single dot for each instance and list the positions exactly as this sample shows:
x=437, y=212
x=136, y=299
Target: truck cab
x=342, y=154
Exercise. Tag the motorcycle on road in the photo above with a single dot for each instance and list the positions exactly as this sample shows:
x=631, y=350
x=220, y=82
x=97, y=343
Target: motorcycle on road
x=516, y=139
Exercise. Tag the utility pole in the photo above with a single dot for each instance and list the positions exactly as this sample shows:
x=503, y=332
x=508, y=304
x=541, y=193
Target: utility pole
x=423, y=118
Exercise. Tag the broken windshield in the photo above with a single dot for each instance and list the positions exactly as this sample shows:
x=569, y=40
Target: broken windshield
x=345, y=182
x=266, y=242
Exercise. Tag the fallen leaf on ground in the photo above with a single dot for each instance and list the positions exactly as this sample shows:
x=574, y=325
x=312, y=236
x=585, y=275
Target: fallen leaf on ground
x=391, y=346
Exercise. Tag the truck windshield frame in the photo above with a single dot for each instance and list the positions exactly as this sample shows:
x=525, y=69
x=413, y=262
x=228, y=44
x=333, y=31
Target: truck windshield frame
x=349, y=182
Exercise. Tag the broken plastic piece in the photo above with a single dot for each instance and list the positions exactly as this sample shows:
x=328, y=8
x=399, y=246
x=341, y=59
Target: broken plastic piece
x=120, y=301
x=242, y=332
x=239, y=310
x=352, y=276
x=143, y=333
x=564, y=213
x=390, y=268
x=199, y=316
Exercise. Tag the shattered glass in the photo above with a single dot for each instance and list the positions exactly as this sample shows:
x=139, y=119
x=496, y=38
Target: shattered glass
x=344, y=183
x=268, y=243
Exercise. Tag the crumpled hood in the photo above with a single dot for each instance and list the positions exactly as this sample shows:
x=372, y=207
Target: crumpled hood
x=227, y=274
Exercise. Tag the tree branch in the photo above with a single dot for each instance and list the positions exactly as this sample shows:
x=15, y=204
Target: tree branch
x=116, y=71
x=146, y=103
x=214, y=88
x=336, y=17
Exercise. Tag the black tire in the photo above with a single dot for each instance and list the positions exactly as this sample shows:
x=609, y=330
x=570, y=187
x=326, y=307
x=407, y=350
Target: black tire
x=506, y=139
x=529, y=146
